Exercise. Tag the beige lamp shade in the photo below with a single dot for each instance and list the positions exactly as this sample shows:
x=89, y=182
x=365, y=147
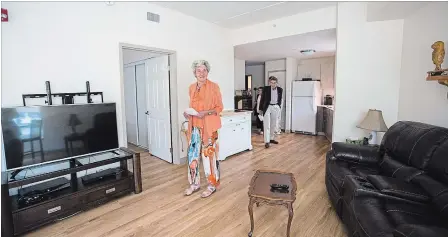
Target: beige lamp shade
x=373, y=121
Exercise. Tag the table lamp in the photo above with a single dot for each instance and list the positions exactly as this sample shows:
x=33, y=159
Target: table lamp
x=374, y=122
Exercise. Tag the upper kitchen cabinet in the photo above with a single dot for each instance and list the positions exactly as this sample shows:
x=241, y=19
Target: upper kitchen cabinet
x=309, y=69
x=319, y=69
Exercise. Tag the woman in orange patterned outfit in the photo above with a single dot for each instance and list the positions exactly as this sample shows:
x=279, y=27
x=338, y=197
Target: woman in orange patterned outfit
x=205, y=97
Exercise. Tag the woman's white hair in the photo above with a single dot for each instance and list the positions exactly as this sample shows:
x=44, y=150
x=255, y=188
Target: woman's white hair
x=198, y=63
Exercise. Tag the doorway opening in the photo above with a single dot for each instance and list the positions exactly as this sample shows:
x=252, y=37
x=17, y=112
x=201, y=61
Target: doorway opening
x=248, y=82
x=289, y=59
x=148, y=100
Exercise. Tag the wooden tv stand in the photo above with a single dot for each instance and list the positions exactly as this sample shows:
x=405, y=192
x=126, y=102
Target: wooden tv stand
x=55, y=199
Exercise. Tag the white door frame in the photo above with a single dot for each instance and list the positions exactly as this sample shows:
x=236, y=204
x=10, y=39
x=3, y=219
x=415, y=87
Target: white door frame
x=175, y=135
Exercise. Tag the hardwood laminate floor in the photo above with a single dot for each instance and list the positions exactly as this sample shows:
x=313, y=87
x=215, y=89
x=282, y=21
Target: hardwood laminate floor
x=162, y=210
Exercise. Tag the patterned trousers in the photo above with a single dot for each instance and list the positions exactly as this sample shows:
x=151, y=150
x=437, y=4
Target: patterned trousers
x=208, y=153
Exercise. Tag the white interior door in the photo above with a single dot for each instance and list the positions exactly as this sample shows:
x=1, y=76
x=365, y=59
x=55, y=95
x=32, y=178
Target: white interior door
x=141, y=89
x=130, y=104
x=158, y=106
x=281, y=76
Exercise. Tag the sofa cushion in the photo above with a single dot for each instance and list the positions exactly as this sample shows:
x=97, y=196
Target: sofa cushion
x=413, y=143
x=405, y=213
x=438, y=165
x=436, y=190
x=392, y=168
x=363, y=171
x=398, y=188
x=420, y=231
x=384, y=216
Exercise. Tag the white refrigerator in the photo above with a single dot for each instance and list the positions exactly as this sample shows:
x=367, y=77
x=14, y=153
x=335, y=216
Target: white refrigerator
x=306, y=96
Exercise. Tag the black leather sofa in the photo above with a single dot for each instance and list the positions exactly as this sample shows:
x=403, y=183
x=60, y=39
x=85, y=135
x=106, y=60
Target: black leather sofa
x=397, y=189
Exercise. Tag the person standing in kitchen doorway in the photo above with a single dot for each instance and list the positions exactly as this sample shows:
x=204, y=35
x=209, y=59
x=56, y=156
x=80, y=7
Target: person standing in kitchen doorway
x=205, y=98
x=257, y=110
x=270, y=104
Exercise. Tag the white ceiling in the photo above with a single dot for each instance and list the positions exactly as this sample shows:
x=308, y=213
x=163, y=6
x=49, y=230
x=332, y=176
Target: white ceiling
x=324, y=42
x=239, y=14
x=383, y=11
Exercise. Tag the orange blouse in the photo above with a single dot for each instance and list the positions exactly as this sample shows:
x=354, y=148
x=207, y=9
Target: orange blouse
x=207, y=98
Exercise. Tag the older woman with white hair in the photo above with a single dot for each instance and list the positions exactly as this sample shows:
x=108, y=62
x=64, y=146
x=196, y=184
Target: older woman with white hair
x=205, y=98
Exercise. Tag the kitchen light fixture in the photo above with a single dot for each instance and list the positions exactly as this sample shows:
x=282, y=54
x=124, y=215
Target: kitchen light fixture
x=308, y=51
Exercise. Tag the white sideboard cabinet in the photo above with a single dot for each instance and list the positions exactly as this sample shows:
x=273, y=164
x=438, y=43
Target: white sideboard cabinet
x=235, y=133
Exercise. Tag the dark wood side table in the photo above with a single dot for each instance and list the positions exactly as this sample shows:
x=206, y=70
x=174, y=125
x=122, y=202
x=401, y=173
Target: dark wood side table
x=260, y=193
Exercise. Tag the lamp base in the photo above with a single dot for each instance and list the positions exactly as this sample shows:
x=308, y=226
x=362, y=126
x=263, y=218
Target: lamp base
x=373, y=138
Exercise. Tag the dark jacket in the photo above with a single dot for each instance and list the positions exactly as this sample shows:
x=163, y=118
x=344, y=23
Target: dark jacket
x=255, y=106
x=266, y=98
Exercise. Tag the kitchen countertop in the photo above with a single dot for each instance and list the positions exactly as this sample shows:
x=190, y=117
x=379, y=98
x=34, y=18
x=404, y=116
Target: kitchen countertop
x=234, y=112
x=327, y=106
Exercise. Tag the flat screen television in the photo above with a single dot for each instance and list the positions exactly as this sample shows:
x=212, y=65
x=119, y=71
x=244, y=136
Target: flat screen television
x=37, y=134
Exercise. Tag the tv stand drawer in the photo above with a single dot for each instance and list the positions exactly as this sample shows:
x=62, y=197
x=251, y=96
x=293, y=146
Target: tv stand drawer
x=41, y=214
x=108, y=190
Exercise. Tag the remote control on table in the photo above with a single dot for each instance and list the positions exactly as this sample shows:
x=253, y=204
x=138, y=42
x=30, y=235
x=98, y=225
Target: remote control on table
x=279, y=186
x=279, y=190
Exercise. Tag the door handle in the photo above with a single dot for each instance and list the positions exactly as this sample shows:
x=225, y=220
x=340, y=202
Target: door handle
x=147, y=112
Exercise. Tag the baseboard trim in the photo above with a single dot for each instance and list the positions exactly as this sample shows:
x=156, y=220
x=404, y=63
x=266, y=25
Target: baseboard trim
x=183, y=160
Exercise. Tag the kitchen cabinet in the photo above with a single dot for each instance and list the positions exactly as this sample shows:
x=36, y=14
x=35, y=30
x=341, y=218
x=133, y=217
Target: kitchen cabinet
x=324, y=121
x=322, y=69
x=320, y=120
x=309, y=69
x=329, y=124
x=235, y=133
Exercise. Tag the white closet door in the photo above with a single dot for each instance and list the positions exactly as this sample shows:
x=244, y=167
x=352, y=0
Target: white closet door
x=130, y=104
x=159, y=116
x=141, y=88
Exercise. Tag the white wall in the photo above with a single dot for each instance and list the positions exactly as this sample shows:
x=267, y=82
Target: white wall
x=421, y=100
x=69, y=43
x=321, y=19
x=368, y=63
x=291, y=75
x=274, y=65
x=240, y=74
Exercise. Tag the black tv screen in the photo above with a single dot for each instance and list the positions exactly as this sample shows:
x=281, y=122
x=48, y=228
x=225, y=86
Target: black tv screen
x=36, y=134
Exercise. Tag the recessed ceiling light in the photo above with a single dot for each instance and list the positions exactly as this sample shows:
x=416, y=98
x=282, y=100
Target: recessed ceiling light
x=308, y=51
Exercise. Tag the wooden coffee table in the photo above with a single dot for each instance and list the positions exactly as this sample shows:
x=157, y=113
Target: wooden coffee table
x=260, y=193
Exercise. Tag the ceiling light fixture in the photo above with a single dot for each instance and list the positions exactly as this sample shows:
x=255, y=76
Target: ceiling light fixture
x=308, y=51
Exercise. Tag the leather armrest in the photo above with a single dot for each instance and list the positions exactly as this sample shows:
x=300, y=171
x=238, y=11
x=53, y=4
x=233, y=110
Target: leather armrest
x=419, y=231
x=356, y=153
